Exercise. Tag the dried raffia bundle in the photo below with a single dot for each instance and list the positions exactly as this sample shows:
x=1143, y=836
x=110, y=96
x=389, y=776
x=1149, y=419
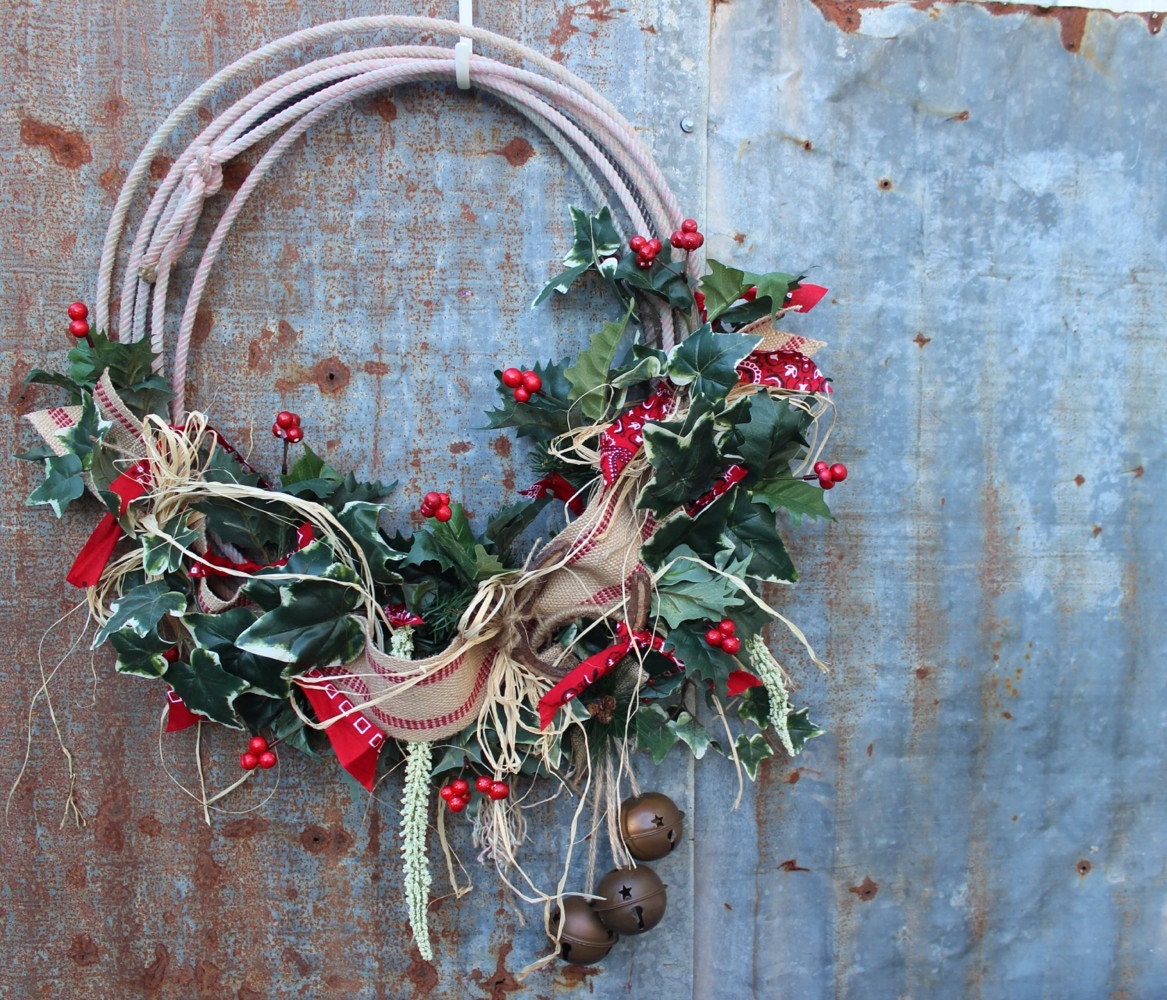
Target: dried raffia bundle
x=288, y=606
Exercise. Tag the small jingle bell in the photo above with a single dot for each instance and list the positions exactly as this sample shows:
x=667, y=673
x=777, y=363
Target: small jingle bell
x=633, y=900
x=584, y=939
x=650, y=825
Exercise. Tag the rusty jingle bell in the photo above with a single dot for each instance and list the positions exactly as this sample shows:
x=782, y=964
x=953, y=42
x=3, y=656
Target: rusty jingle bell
x=650, y=825
x=584, y=939
x=633, y=900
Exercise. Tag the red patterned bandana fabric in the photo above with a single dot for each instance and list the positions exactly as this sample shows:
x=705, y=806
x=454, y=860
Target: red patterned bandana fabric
x=784, y=370
x=626, y=436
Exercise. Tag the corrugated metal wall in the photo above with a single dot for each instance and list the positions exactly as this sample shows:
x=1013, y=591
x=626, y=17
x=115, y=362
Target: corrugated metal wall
x=982, y=189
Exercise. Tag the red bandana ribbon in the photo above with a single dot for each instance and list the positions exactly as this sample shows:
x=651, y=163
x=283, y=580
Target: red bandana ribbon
x=783, y=370
x=355, y=740
x=626, y=436
x=555, y=485
x=731, y=477
x=305, y=535
x=95, y=553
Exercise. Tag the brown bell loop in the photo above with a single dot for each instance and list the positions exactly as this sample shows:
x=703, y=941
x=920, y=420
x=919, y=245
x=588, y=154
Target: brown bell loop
x=650, y=825
x=632, y=900
x=584, y=938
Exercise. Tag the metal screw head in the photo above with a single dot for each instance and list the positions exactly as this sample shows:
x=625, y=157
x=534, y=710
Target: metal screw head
x=687, y=124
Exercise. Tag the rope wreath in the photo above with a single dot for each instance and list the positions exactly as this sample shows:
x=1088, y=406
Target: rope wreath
x=674, y=451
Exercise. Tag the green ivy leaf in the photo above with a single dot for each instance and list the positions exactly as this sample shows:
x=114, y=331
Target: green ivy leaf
x=752, y=526
x=722, y=286
x=63, y=483
x=652, y=732
x=83, y=437
x=160, y=556
x=688, y=591
x=313, y=626
x=799, y=499
x=140, y=655
x=219, y=634
x=689, y=731
x=801, y=729
x=361, y=520
x=751, y=751
x=141, y=609
x=772, y=286
x=707, y=361
x=755, y=706
x=770, y=438
x=681, y=464
x=589, y=375
x=206, y=688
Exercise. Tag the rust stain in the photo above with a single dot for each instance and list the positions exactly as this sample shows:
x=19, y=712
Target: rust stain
x=234, y=174
x=160, y=167
x=565, y=29
x=502, y=446
x=262, y=351
x=920, y=340
x=111, y=817
x=516, y=152
x=154, y=973
x=1096, y=530
x=151, y=826
x=1079, y=479
x=249, y=826
x=460, y=447
x=571, y=976
x=376, y=368
x=922, y=673
x=792, y=865
x=294, y=960
x=203, y=321
x=497, y=984
x=870, y=749
x=111, y=180
x=332, y=840
x=885, y=185
x=1137, y=472
x=739, y=238
x=468, y=213
x=384, y=107
x=208, y=873
x=84, y=950
x=331, y=374
x=1083, y=867
x=960, y=116
x=1071, y=20
x=421, y=973
x=865, y=890
x=68, y=149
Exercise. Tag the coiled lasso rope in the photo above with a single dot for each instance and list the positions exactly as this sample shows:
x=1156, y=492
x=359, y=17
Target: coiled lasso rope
x=588, y=131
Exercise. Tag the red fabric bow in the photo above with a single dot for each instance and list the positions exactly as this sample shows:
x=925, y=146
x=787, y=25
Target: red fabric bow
x=355, y=740
x=95, y=553
x=804, y=297
x=555, y=485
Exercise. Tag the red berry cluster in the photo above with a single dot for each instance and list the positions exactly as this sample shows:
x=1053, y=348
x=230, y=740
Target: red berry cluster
x=828, y=475
x=436, y=505
x=258, y=754
x=525, y=383
x=722, y=636
x=645, y=250
x=287, y=426
x=78, y=313
x=687, y=238
x=456, y=794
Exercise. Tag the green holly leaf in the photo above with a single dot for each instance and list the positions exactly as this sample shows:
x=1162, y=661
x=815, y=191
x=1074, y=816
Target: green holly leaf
x=722, y=286
x=38, y=376
x=160, y=556
x=688, y=591
x=511, y=521
x=307, y=467
x=704, y=534
x=350, y=491
x=681, y=463
x=662, y=280
x=702, y=661
x=206, y=688
x=801, y=729
x=223, y=468
x=799, y=499
x=755, y=533
x=450, y=544
x=219, y=633
x=140, y=655
x=707, y=361
x=361, y=520
x=313, y=625
x=773, y=287
x=595, y=237
x=141, y=609
x=589, y=375
x=770, y=438
x=486, y=564
x=653, y=733
x=561, y=283
x=545, y=416
x=751, y=751
x=63, y=483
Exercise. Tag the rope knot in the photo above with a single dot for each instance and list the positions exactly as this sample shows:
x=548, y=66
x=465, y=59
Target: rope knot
x=206, y=172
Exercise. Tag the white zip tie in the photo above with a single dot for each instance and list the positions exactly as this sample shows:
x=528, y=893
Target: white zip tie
x=464, y=46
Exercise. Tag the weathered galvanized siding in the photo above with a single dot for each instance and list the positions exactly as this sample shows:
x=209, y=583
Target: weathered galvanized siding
x=984, y=193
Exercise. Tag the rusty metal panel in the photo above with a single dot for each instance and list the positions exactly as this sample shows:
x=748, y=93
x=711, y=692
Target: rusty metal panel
x=983, y=194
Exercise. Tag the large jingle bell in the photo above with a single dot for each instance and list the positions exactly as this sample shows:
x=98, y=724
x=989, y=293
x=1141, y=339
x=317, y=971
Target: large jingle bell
x=584, y=939
x=633, y=900
x=650, y=825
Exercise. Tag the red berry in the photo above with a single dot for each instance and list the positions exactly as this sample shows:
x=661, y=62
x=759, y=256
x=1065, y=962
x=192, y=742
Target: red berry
x=714, y=637
x=461, y=786
x=295, y=435
x=79, y=328
x=826, y=482
x=750, y=293
x=432, y=499
x=499, y=790
x=838, y=472
x=248, y=761
x=170, y=654
x=278, y=431
x=456, y=804
x=522, y=394
x=257, y=744
x=512, y=378
x=446, y=792
x=689, y=226
x=78, y=310
x=726, y=626
x=637, y=243
x=677, y=239
x=445, y=499
x=821, y=468
x=532, y=382
x=692, y=241
x=731, y=644
x=285, y=419
x=443, y=513
x=267, y=760
x=643, y=262
x=654, y=245
x=483, y=783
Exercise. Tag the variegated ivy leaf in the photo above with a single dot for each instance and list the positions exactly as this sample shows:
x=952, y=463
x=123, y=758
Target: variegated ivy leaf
x=218, y=633
x=160, y=555
x=800, y=728
x=141, y=609
x=313, y=624
x=688, y=591
x=86, y=434
x=140, y=655
x=751, y=751
x=560, y=283
x=206, y=688
x=595, y=237
x=707, y=361
x=681, y=463
x=62, y=484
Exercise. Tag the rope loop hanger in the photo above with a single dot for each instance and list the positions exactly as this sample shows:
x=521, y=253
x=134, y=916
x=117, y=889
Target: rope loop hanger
x=597, y=142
